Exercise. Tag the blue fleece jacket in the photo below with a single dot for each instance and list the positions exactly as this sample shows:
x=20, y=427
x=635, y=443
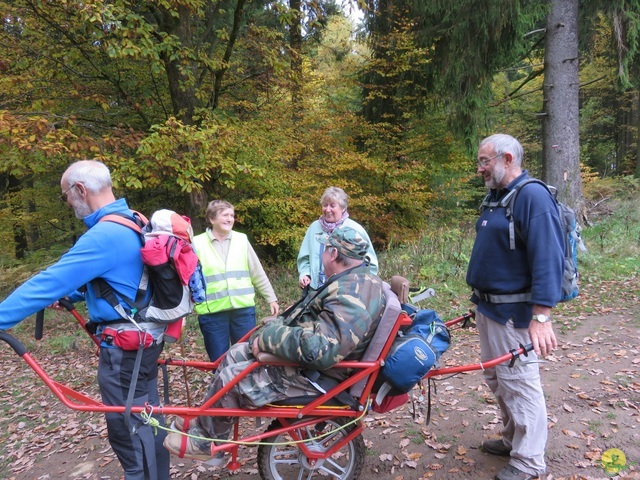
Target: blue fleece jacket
x=536, y=264
x=107, y=250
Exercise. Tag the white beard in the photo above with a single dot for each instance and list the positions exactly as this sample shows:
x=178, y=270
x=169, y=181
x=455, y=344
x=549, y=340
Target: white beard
x=498, y=173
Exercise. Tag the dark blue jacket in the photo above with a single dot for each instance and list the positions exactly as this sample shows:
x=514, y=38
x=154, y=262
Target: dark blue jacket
x=108, y=250
x=537, y=263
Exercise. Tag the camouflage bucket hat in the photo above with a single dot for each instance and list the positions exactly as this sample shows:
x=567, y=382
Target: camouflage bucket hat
x=347, y=241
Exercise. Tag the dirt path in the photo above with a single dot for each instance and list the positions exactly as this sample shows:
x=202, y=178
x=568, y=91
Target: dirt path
x=592, y=385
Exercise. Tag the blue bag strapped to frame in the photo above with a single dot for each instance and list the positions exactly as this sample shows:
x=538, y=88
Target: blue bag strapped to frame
x=414, y=352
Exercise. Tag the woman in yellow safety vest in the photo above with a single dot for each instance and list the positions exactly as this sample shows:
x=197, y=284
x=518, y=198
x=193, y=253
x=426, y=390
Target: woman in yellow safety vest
x=233, y=273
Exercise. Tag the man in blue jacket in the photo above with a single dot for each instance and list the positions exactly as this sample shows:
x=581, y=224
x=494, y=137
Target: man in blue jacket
x=112, y=252
x=515, y=290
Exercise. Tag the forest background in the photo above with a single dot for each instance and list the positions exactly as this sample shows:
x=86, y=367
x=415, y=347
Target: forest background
x=266, y=103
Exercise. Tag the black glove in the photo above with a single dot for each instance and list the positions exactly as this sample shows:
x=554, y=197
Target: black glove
x=91, y=327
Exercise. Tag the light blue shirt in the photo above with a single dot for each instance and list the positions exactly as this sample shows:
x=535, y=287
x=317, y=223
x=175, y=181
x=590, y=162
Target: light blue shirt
x=309, y=257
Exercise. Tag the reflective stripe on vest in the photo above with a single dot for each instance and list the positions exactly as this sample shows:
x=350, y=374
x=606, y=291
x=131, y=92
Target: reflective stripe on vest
x=228, y=286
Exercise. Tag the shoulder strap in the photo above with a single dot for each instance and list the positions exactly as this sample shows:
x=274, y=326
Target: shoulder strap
x=509, y=208
x=507, y=200
x=102, y=288
x=310, y=295
x=507, y=203
x=135, y=223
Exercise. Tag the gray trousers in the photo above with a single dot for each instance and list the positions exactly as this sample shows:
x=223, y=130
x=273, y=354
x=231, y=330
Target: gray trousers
x=142, y=455
x=518, y=391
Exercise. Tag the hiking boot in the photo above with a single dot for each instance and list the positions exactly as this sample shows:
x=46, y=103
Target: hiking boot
x=496, y=447
x=178, y=424
x=512, y=473
x=193, y=449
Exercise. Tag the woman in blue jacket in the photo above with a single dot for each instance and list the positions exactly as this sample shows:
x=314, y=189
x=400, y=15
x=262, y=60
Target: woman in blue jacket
x=334, y=203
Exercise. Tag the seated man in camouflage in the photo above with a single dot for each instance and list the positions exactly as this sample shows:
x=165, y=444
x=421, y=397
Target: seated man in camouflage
x=329, y=325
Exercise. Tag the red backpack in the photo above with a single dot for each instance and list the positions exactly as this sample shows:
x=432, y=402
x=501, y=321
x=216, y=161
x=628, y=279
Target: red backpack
x=170, y=266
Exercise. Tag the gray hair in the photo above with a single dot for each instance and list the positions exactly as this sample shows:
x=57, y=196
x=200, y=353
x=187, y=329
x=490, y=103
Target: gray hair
x=337, y=194
x=503, y=143
x=346, y=261
x=94, y=175
x=216, y=206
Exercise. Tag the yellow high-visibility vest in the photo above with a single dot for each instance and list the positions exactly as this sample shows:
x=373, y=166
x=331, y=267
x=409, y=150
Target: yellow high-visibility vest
x=228, y=286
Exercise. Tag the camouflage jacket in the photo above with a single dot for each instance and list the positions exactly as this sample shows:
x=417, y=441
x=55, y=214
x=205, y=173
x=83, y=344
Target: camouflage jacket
x=333, y=324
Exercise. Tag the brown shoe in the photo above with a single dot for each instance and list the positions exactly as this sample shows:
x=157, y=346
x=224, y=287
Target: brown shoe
x=496, y=447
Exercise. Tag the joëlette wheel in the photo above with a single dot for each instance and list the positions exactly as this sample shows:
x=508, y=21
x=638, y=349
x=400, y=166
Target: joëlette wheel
x=280, y=461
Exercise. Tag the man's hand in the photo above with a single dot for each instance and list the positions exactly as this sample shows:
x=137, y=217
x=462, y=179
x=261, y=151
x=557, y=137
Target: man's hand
x=543, y=338
x=55, y=306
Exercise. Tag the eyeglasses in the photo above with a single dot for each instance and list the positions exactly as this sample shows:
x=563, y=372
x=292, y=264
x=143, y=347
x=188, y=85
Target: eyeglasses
x=63, y=197
x=483, y=162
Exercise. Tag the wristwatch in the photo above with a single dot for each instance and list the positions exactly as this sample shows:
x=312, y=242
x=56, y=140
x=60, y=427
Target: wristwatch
x=541, y=318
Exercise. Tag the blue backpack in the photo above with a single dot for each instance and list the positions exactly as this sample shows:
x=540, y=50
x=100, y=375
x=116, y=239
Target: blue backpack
x=414, y=352
x=570, y=227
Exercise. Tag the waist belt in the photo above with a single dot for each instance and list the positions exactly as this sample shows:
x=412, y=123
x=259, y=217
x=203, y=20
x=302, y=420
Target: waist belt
x=148, y=327
x=503, y=298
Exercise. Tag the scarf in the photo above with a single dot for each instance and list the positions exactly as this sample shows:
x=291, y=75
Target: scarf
x=329, y=227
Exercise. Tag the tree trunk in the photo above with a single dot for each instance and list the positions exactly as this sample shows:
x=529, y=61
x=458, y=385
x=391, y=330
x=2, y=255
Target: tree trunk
x=197, y=208
x=20, y=242
x=636, y=124
x=626, y=131
x=179, y=70
x=295, y=47
x=560, y=129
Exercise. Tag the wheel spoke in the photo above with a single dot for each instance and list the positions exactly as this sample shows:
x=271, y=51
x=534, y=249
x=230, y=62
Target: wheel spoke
x=338, y=471
x=301, y=473
x=285, y=461
x=288, y=462
x=329, y=439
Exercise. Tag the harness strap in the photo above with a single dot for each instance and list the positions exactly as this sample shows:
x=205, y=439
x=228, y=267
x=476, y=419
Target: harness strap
x=429, y=380
x=132, y=391
x=102, y=288
x=503, y=298
x=324, y=383
x=383, y=391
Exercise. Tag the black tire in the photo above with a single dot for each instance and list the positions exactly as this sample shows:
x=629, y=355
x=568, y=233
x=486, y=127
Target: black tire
x=287, y=462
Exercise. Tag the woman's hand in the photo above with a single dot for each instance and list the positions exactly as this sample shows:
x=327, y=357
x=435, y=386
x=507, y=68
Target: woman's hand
x=275, y=308
x=305, y=281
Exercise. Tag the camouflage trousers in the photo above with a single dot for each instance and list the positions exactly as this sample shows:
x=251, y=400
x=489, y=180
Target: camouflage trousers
x=263, y=385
